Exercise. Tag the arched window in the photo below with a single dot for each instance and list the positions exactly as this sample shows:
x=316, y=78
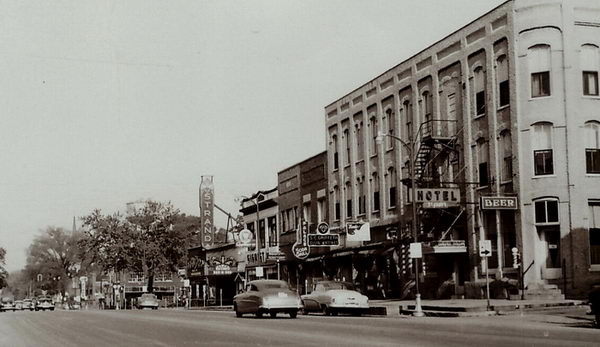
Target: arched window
x=506, y=156
x=502, y=80
x=359, y=142
x=348, y=200
x=539, y=61
x=336, y=203
x=391, y=183
x=334, y=150
x=375, y=190
x=541, y=143
x=391, y=125
x=426, y=106
x=592, y=147
x=590, y=64
x=479, y=91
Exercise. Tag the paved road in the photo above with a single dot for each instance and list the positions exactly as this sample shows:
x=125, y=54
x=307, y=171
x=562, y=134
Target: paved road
x=187, y=328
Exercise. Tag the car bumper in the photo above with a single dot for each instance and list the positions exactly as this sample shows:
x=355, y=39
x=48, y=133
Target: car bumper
x=279, y=308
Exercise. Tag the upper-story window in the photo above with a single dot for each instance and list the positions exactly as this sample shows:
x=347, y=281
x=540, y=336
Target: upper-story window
x=375, y=190
x=347, y=147
x=348, y=200
x=408, y=119
x=479, y=91
x=592, y=147
x=539, y=62
x=546, y=212
x=590, y=64
x=391, y=125
x=506, y=156
x=336, y=203
x=594, y=231
x=359, y=142
x=361, y=197
x=373, y=129
x=502, y=78
x=391, y=177
x=334, y=147
x=426, y=106
x=542, y=149
x=321, y=210
x=482, y=160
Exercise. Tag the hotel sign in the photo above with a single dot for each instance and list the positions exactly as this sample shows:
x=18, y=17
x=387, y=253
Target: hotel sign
x=207, y=210
x=498, y=203
x=438, y=197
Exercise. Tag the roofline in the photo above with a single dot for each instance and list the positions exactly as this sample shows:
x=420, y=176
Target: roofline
x=421, y=51
x=301, y=162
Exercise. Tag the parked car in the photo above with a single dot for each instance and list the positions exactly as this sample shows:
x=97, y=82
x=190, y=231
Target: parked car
x=148, y=300
x=594, y=301
x=332, y=297
x=28, y=304
x=7, y=304
x=267, y=296
x=19, y=305
x=44, y=303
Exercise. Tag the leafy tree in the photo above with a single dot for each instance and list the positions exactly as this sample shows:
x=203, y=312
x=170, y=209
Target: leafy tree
x=3, y=273
x=151, y=238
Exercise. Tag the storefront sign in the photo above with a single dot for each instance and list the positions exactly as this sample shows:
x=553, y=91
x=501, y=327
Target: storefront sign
x=447, y=246
x=245, y=237
x=323, y=240
x=438, y=197
x=206, y=210
x=221, y=265
x=323, y=228
x=222, y=269
x=301, y=249
x=498, y=203
x=276, y=256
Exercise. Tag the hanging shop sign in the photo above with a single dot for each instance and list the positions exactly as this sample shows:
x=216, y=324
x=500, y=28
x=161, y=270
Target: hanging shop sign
x=438, y=197
x=323, y=228
x=301, y=248
x=498, y=203
x=444, y=247
x=358, y=231
x=327, y=240
x=244, y=238
x=207, y=210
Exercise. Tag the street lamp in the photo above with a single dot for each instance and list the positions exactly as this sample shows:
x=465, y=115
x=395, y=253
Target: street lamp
x=411, y=148
x=257, y=231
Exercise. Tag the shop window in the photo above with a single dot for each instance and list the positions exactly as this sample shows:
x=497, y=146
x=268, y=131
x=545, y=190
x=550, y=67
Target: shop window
x=502, y=77
x=539, y=66
x=592, y=147
x=542, y=149
x=590, y=64
x=594, y=231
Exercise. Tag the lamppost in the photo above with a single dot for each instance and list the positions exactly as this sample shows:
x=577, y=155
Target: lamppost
x=257, y=231
x=412, y=150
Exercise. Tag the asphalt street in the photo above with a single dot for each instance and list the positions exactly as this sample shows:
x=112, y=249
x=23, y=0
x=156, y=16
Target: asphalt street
x=209, y=328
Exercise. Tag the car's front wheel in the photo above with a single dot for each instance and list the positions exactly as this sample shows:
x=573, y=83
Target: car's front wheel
x=237, y=313
x=293, y=314
x=259, y=314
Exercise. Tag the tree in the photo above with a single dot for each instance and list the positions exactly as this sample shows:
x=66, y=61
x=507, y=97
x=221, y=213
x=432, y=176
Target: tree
x=151, y=238
x=3, y=273
x=55, y=255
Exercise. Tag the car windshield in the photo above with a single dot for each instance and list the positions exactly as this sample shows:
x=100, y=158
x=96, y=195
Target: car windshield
x=274, y=285
x=336, y=285
x=148, y=296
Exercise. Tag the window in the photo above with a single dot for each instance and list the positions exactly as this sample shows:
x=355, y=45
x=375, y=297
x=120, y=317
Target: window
x=590, y=64
x=272, y=227
x=391, y=128
x=542, y=149
x=347, y=145
x=375, y=190
x=320, y=210
x=546, y=211
x=136, y=276
x=359, y=142
x=336, y=203
x=479, y=90
x=392, y=188
x=306, y=211
x=373, y=128
x=426, y=106
x=361, y=197
x=261, y=231
x=594, y=232
x=538, y=58
x=348, y=200
x=502, y=77
x=592, y=147
x=334, y=146
x=482, y=160
x=408, y=119
x=506, y=148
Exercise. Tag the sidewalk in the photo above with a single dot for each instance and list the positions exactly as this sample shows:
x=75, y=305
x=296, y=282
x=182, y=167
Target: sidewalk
x=468, y=307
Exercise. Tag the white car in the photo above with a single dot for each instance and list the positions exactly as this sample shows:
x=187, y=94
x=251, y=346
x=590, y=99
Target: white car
x=44, y=303
x=148, y=300
x=333, y=297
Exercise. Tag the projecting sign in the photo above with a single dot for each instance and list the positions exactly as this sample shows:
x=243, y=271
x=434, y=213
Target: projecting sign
x=301, y=249
x=323, y=240
x=323, y=228
x=498, y=203
x=438, y=197
x=415, y=250
x=485, y=248
x=206, y=210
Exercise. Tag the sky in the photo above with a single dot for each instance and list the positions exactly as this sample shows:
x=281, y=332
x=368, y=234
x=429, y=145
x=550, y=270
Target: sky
x=108, y=102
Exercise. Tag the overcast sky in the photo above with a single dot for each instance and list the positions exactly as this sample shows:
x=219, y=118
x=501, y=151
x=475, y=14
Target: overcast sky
x=106, y=102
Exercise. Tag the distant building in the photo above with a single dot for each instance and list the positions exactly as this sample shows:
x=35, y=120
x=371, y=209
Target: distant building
x=507, y=107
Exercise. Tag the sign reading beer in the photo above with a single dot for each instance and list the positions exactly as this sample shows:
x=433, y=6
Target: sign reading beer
x=438, y=197
x=498, y=203
x=207, y=210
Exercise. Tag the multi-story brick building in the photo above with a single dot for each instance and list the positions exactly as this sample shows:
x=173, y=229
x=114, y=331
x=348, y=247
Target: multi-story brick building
x=506, y=106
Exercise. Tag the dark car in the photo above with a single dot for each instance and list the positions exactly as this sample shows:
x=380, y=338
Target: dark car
x=148, y=300
x=594, y=299
x=267, y=296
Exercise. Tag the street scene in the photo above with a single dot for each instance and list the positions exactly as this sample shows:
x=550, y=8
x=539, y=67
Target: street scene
x=272, y=173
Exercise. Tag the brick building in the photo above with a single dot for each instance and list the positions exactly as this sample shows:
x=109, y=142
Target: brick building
x=507, y=107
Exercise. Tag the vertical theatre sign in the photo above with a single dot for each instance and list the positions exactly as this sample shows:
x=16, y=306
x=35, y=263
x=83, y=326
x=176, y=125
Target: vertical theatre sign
x=206, y=210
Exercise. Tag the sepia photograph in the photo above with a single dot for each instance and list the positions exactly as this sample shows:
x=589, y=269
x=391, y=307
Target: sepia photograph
x=300, y=173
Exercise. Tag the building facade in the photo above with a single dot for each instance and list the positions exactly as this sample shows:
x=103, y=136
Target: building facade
x=505, y=108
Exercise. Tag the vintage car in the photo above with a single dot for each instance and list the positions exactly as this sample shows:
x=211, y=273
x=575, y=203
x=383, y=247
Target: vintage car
x=44, y=303
x=19, y=305
x=332, y=297
x=147, y=300
x=267, y=296
x=7, y=304
x=28, y=304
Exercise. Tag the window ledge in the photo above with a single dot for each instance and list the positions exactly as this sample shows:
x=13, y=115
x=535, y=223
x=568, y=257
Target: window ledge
x=593, y=97
x=373, y=155
x=594, y=267
x=361, y=215
x=478, y=116
x=592, y=174
x=346, y=166
x=359, y=161
x=503, y=107
x=534, y=98
x=335, y=170
x=542, y=176
x=505, y=182
x=481, y=188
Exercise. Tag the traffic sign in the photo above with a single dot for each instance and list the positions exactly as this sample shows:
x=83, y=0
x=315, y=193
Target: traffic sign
x=323, y=228
x=415, y=250
x=485, y=248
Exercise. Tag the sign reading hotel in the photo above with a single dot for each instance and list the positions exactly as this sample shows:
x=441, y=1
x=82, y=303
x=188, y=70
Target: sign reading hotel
x=498, y=203
x=438, y=197
x=207, y=210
